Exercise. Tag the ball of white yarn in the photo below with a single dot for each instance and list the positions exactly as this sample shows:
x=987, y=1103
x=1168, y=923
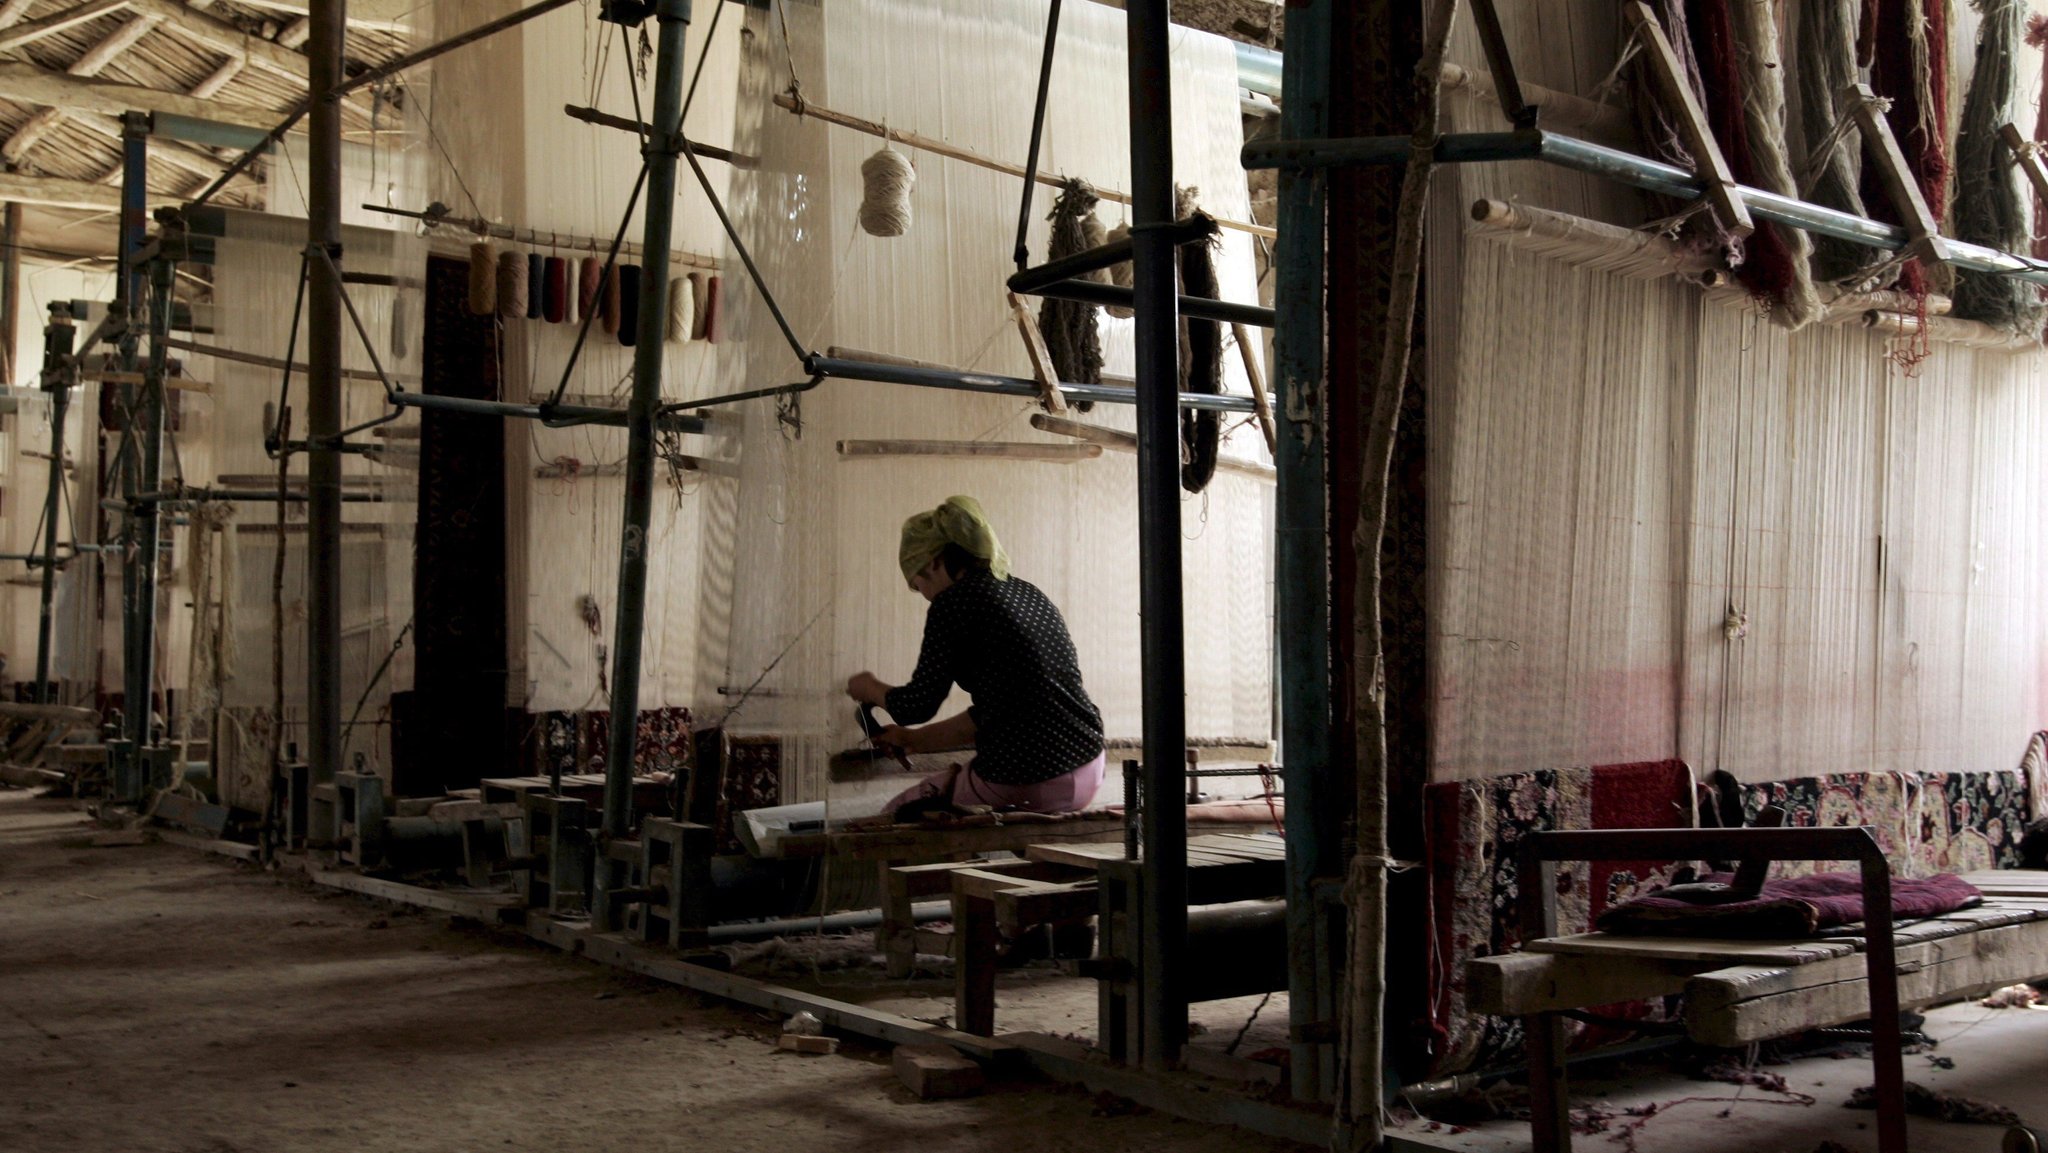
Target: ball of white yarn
x=885, y=208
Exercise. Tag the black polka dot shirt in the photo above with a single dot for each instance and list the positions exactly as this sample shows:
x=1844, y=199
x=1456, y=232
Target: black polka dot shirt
x=1008, y=646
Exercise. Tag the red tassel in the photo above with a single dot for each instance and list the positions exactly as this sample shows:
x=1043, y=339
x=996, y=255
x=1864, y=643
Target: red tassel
x=555, y=297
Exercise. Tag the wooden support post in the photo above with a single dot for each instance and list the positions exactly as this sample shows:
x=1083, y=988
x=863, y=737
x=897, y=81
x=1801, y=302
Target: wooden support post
x=974, y=964
x=2025, y=154
x=1249, y=347
x=1550, y=1129
x=1711, y=166
x=896, y=936
x=1923, y=232
x=1042, y=369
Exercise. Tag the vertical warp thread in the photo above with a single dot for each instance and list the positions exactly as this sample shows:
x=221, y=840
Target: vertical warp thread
x=1988, y=208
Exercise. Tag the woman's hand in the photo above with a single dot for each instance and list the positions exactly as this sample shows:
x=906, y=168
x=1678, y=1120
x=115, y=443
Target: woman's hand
x=868, y=689
x=901, y=737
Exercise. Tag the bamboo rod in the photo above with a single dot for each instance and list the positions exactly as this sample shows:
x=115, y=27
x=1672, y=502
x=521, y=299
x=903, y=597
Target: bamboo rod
x=1560, y=109
x=538, y=239
x=1118, y=440
x=997, y=450
x=844, y=352
x=1949, y=330
x=929, y=144
x=1255, y=373
x=1594, y=242
x=261, y=361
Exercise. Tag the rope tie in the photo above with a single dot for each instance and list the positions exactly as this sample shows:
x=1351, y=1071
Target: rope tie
x=1825, y=151
x=885, y=206
x=1612, y=81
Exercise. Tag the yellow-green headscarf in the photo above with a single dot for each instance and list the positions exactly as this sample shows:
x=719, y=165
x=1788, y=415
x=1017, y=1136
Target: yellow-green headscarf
x=958, y=521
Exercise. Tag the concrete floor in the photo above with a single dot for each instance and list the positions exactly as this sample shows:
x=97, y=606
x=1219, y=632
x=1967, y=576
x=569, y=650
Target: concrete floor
x=155, y=998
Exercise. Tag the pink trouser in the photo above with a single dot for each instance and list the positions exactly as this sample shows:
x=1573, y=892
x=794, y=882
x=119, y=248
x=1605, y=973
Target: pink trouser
x=1066, y=793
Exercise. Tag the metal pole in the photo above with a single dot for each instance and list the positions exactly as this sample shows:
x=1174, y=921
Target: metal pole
x=58, y=373
x=135, y=686
x=630, y=611
x=323, y=400
x=442, y=47
x=1301, y=606
x=146, y=519
x=1163, y=1011
x=1052, y=39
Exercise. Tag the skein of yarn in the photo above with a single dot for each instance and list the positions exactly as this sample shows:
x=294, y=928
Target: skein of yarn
x=511, y=284
x=710, y=300
x=885, y=205
x=699, y=297
x=590, y=279
x=629, y=305
x=608, y=303
x=483, y=278
x=555, y=291
x=536, y=284
x=682, y=310
x=1119, y=274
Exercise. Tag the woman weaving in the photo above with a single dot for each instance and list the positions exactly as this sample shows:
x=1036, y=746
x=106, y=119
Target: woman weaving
x=1036, y=736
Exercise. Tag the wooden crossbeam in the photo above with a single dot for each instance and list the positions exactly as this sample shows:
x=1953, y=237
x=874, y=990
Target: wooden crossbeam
x=1042, y=368
x=57, y=192
x=25, y=83
x=1708, y=162
x=71, y=18
x=2025, y=154
x=1923, y=232
x=90, y=64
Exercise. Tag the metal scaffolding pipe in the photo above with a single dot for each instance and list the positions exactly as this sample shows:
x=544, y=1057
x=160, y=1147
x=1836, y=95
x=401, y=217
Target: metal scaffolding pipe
x=1198, y=307
x=1301, y=607
x=58, y=373
x=1052, y=272
x=148, y=523
x=327, y=20
x=1636, y=171
x=1163, y=904
x=629, y=614
x=923, y=376
x=135, y=684
x=442, y=47
x=554, y=415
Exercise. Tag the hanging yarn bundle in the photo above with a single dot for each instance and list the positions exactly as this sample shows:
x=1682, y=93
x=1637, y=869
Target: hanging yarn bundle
x=1201, y=354
x=700, y=299
x=511, y=284
x=629, y=304
x=1827, y=66
x=608, y=303
x=1701, y=231
x=1737, y=43
x=682, y=310
x=536, y=285
x=887, y=177
x=555, y=291
x=1072, y=336
x=1909, y=66
x=2037, y=38
x=1988, y=208
x=708, y=303
x=1120, y=274
x=483, y=278
x=589, y=283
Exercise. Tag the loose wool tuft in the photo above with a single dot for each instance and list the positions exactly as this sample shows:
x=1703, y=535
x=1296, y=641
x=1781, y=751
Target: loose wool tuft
x=511, y=284
x=483, y=278
x=888, y=177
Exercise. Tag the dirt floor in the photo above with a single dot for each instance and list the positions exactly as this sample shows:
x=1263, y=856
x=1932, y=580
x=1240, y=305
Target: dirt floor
x=157, y=998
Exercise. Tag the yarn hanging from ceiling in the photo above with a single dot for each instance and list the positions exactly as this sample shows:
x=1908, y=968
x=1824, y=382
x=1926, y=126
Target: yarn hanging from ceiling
x=589, y=287
x=511, y=285
x=2037, y=38
x=1201, y=355
x=483, y=278
x=682, y=310
x=1069, y=327
x=709, y=301
x=1988, y=208
x=1910, y=68
x=629, y=304
x=1827, y=66
x=1737, y=43
x=1659, y=128
x=536, y=285
x=555, y=292
x=887, y=178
